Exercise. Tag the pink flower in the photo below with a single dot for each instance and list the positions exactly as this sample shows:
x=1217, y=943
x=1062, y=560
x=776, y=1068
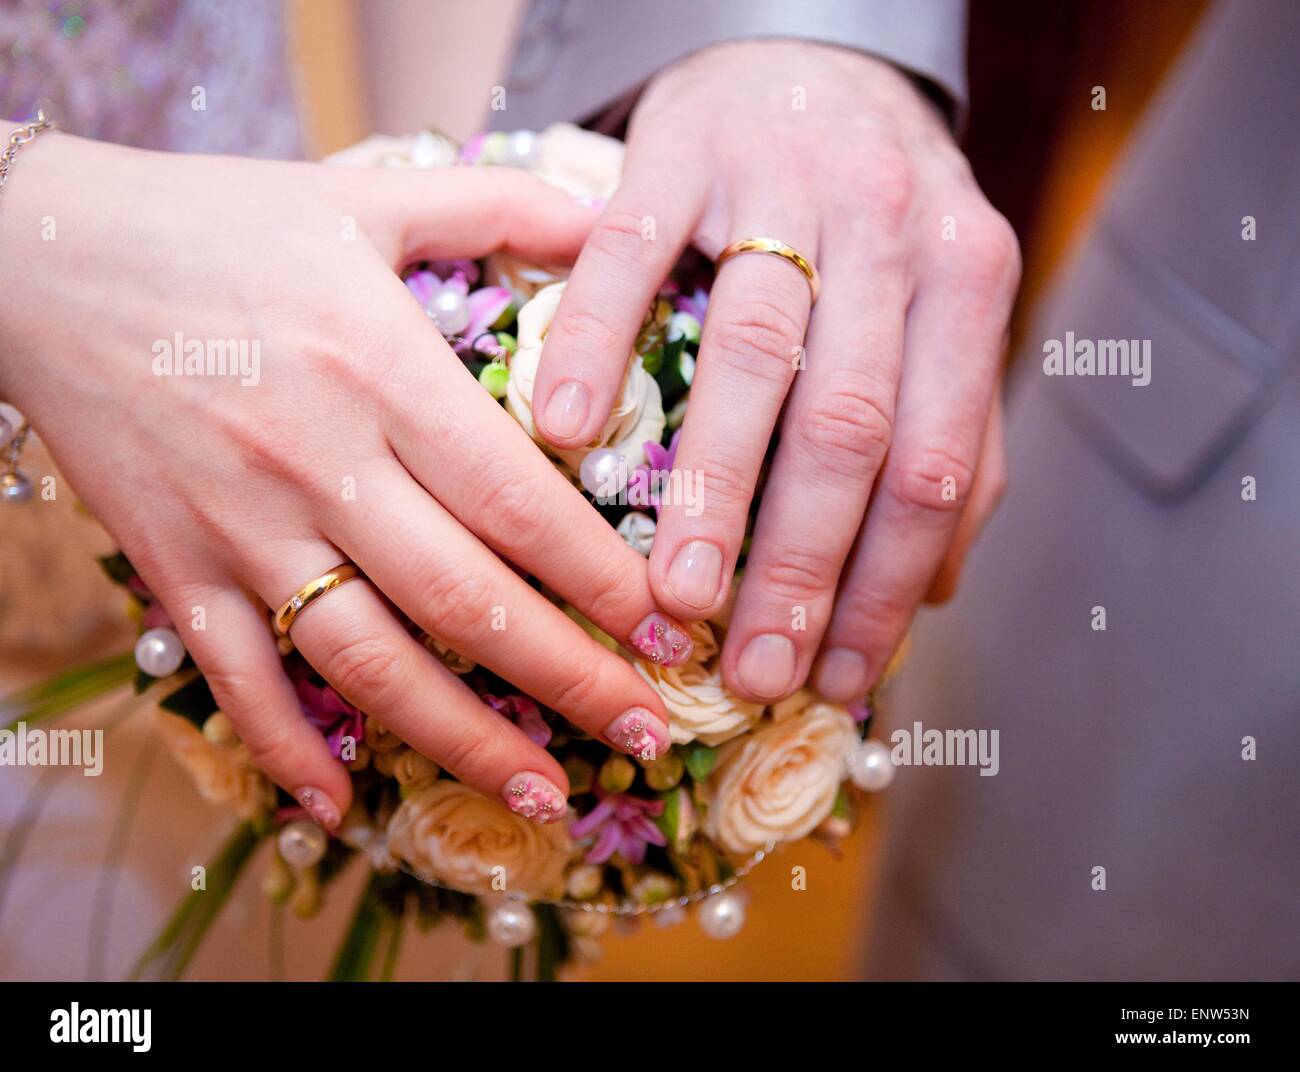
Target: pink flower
x=485, y=304
x=524, y=713
x=696, y=304
x=622, y=825
x=325, y=709
x=646, y=483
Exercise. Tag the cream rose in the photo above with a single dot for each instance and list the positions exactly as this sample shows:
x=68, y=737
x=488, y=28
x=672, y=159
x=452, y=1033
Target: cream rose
x=449, y=833
x=780, y=783
x=638, y=414
x=699, y=706
x=422, y=150
x=580, y=162
x=223, y=774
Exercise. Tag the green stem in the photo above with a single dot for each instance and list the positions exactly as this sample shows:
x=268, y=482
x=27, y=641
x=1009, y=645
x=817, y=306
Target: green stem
x=67, y=690
x=375, y=923
x=169, y=954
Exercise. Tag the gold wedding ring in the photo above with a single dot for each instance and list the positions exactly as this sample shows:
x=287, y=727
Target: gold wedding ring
x=777, y=249
x=309, y=593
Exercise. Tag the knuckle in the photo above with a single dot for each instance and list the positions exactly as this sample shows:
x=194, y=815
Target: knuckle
x=458, y=602
x=363, y=670
x=725, y=486
x=888, y=184
x=588, y=331
x=989, y=259
x=760, y=339
x=620, y=234
x=798, y=572
x=845, y=428
x=512, y=516
x=578, y=687
x=470, y=753
x=932, y=480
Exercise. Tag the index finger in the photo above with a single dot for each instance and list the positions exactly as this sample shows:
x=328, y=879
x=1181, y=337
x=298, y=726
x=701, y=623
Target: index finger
x=630, y=252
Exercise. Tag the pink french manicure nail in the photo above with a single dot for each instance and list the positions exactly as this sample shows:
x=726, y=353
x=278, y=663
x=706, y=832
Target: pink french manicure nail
x=662, y=640
x=567, y=410
x=639, y=733
x=318, y=805
x=534, y=797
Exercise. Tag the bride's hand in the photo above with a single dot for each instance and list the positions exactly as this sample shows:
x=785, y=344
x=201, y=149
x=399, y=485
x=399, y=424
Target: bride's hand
x=363, y=438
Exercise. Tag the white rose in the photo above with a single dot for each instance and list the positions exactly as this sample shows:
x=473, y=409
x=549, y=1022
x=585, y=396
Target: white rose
x=780, y=783
x=700, y=708
x=580, y=162
x=451, y=834
x=522, y=278
x=422, y=150
x=638, y=414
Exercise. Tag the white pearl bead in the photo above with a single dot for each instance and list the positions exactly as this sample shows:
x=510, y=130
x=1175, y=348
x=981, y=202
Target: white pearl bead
x=870, y=767
x=670, y=916
x=511, y=924
x=604, y=473
x=302, y=844
x=522, y=149
x=722, y=915
x=159, y=652
x=449, y=310
x=15, y=488
x=638, y=531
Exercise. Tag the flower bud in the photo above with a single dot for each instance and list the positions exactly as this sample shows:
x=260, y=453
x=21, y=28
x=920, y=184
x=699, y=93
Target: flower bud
x=277, y=879
x=617, y=774
x=218, y=729
x=584, y=882
x=582, y=775
x=306, y=899
x=664, y=773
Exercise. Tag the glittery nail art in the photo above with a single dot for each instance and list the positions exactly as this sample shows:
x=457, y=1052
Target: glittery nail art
x=640, y=734
x=662, y=640
x=534, y=797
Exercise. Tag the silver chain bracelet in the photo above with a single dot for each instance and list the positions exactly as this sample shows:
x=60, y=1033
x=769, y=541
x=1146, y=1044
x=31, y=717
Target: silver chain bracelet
x=14, y=486
x=20, y=137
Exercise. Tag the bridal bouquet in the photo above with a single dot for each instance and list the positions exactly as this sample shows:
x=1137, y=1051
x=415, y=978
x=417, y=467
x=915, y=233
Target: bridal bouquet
x=653, y=836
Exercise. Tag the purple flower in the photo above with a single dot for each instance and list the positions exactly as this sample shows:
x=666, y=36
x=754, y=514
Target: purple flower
x=622, y=825
x=696, y=304
x=524, y=713
x=327, y=711
x=646, y=483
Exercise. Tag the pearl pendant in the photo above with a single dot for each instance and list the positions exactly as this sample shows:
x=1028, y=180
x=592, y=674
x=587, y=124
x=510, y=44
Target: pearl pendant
x=523, y=150
x=302, y=844
x=159, y=652
x=870, y=767
x=722, y=915
x=604, y=473
x=15, y=488
x=449, y=310
x=511, y=924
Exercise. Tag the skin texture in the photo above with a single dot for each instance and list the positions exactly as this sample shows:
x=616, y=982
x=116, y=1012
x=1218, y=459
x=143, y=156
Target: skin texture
x=886, y=396
x=229, y=498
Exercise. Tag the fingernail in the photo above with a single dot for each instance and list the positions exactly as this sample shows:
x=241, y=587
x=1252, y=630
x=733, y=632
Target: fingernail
x=662, y=640
x=640, y=733
x=766, y=666
x=567, y=410
x=534, y=797
x=318, y=805
x=841, y=675
x=695, y=574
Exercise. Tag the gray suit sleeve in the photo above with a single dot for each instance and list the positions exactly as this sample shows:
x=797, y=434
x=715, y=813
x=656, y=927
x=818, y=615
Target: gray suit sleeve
x=575, y=58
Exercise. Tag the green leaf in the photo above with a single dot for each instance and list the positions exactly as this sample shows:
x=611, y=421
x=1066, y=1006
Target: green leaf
x=118, y=567
x=193, y=701
x=64, y=692
x=700, y=760
x=169, y=954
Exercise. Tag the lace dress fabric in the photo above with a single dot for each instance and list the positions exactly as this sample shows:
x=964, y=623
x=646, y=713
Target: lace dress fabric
x=187, y=75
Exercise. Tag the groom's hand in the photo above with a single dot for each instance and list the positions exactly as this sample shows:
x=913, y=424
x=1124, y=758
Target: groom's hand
x=890, y=456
